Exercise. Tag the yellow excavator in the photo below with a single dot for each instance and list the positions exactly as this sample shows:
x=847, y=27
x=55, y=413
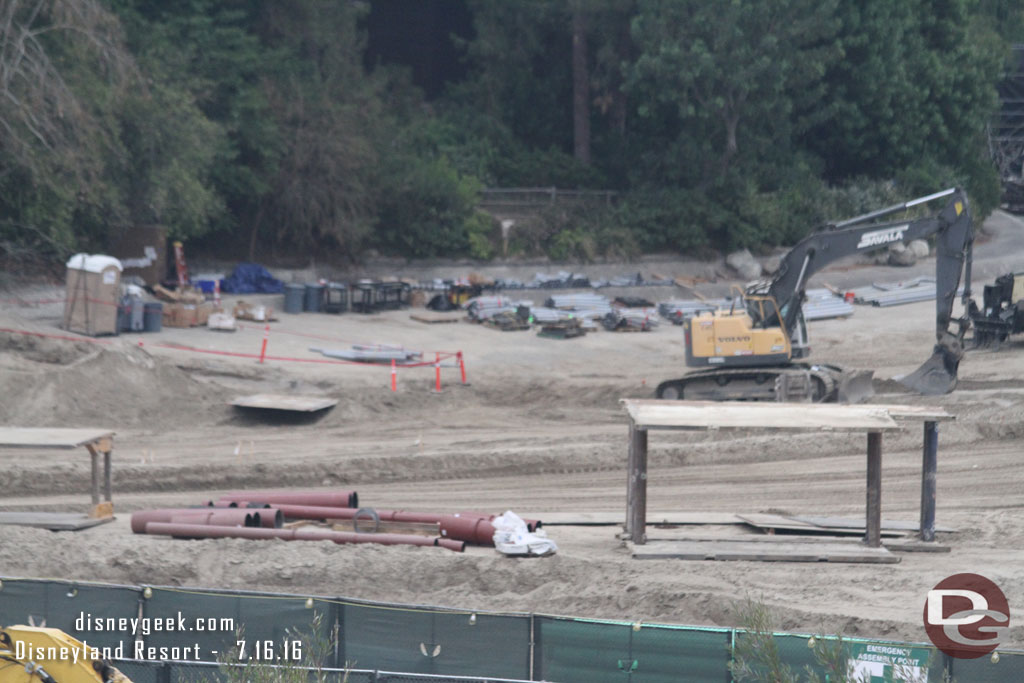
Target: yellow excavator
x=33, y=654
x=750, y=351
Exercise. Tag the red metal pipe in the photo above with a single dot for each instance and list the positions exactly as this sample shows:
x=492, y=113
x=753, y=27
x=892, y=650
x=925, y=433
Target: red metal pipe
x=294, y=534
x=471, y=529
x=457, y=546
x=267, y=518
x=220, y=516
x=338, y=499
x=464, y=526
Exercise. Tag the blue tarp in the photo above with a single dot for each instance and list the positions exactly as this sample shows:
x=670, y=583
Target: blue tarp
x=251, y=278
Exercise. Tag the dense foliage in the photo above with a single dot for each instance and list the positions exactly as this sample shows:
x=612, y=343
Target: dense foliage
x=260, y=127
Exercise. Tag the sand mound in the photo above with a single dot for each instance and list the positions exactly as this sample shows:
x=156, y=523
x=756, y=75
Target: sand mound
x=47, y=383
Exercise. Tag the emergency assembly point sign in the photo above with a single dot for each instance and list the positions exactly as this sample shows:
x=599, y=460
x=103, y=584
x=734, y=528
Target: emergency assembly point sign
x=966, y=615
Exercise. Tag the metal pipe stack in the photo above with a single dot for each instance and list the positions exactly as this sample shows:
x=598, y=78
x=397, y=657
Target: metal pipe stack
x=822, y=304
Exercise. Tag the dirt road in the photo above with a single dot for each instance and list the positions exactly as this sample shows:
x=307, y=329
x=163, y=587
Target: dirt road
x=537, y=430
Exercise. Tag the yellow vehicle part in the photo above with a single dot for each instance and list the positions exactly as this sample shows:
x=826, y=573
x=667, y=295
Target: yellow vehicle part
x=32, y=654
x=729, y=334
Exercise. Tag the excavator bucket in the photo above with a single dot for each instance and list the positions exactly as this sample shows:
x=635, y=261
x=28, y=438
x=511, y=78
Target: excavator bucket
x=937, y=375
x=855, y=386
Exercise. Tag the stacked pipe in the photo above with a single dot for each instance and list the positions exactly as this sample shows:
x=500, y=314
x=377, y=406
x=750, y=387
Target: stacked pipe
x=334, y=499
x=188, y=530
x=822, y=304
x=485, y=307
x=266, y=518
x=676, y=310
x=631, y=318
x=471, y=527
x=597, y=303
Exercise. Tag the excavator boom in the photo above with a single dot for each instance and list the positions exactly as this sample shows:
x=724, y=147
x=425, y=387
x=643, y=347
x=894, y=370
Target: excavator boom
x=757, y=344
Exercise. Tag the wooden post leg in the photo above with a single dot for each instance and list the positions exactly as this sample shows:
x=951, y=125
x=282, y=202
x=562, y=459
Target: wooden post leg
x=95, y=457
x=929, y=468
x=638, y=483
x=106, y=475
x=630, y=487
x=874, y=497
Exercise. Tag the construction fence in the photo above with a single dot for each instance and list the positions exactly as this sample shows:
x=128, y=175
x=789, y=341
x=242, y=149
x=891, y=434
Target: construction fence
x=162, y=634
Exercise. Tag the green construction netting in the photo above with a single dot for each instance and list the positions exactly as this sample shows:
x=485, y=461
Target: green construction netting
x=68, y=605
x=439, y=642
x=571, y=650
x=397, y=638
x=226, y=618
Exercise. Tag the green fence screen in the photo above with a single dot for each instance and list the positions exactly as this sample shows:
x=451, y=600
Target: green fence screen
x=434, y=643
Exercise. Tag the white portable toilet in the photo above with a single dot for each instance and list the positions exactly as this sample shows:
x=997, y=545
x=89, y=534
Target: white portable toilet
x=93, y=293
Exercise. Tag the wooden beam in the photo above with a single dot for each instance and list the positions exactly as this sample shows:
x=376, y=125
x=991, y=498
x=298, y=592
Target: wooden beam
x=874, y=496
x=94, y=456
x=107, y=476
x=637, y=513
x=828, y=417
x=929, y=470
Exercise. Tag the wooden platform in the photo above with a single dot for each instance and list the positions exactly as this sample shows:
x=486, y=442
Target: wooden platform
x=96, y=441
x=826, y=417
x=27, y=437
x=761, y=551
x=297, y=404
x=54, y=521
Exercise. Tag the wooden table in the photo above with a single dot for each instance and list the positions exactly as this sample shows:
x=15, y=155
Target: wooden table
x=873, y=420
x=96, y=441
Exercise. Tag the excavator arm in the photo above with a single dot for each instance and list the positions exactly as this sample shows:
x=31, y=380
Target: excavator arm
x=955, y=235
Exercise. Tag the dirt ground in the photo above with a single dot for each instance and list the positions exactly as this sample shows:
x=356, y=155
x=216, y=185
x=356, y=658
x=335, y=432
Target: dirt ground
x=537, y=430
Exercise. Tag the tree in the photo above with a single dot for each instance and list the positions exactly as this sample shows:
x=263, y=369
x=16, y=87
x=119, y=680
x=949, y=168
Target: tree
x=729, y=72
x=580, y=85
x=62, y=64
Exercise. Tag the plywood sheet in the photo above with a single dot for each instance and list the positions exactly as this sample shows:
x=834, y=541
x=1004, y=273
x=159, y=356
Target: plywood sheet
x=858, y=523
x=656, y=414
x=769, y=522
x=25, y=437
x=618, y=518
x=301, y=404
x=764, y=552
x=54, y=521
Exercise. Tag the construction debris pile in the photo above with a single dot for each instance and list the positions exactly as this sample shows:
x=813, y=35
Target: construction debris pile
x=336, y=516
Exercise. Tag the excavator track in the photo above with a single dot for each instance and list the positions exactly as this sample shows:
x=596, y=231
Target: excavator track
x=797, y=382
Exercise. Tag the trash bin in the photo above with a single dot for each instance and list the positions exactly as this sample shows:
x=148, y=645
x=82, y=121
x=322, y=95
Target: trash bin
x=293, y=298
x=124, y=315
x=93, y=294
x=314, y=297
x=137, y=320
x=153, y=318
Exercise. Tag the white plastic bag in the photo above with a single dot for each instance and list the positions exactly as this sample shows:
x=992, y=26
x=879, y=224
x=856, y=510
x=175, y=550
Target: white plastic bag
x=513, y=537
